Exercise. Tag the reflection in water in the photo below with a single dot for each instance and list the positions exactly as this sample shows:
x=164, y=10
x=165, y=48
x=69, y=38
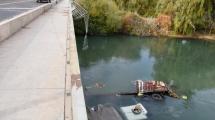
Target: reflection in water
x=121, y=59
x=85, y=43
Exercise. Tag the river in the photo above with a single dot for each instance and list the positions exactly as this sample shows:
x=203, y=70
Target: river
x=115, y=61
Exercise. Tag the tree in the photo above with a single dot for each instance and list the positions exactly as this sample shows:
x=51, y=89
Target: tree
x=189, y=15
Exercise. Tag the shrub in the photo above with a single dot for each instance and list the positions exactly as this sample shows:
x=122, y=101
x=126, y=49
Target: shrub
x=104, y=16
x=180, y=16
x=188, y=15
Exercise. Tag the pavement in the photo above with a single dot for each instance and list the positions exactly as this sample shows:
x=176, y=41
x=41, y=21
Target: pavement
x=32, y=68
x=11, y=8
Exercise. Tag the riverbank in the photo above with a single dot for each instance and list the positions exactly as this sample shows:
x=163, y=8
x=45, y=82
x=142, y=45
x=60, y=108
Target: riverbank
x=134, y=24
x=157, y=18
x=208, y=37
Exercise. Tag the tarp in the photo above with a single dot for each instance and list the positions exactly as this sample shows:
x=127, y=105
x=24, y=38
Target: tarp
x=103, y=112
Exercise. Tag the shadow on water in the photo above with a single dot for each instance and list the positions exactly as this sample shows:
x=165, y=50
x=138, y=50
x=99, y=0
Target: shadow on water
x=116, y=61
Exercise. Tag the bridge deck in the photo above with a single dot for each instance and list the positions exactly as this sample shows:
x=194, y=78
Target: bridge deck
x=32, y=69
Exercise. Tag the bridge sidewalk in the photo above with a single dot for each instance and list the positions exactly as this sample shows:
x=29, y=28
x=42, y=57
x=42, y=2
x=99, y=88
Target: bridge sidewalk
x=32, y=69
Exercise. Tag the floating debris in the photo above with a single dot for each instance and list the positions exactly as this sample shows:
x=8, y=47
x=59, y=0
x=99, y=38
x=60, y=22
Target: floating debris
x=184, y=97
x=96, y=85
x=184, y=41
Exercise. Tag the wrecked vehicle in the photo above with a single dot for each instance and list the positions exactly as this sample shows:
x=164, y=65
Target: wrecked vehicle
x=156, y=89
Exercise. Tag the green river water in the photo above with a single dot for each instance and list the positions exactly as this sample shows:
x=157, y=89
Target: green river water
x=117, y=60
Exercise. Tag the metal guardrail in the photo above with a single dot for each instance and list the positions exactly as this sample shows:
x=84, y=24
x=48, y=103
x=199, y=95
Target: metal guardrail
x=78, y=11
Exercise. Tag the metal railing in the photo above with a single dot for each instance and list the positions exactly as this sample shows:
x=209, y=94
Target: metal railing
x=78, y=11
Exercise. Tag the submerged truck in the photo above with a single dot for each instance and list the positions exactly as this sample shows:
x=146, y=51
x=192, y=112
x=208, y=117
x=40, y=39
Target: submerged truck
x=157, y=89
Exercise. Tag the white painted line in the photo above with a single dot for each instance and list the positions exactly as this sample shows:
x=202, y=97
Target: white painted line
x=16, y=8
x=15, y=2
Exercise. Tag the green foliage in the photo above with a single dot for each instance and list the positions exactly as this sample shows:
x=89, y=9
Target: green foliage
x=142, y=7
x=105, y=17
x=188, y=15
x=165, y=7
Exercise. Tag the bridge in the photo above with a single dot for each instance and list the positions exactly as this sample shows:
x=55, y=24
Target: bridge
x=11, y=8
x=39, y=68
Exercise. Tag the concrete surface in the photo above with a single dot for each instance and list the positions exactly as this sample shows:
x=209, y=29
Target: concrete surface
x=10, y=26
x=78, y=101
x=11, y=8
x=32, y=69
